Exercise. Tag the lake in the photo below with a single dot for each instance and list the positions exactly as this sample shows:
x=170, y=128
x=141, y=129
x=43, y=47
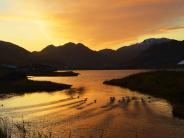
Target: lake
x=64, y=114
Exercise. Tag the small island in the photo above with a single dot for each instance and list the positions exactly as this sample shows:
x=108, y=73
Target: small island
x=45, y=70
x=162, y=84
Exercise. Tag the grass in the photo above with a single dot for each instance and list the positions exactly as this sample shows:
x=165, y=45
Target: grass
x=5, y=131
x=162, y=84
x=19, y=130
x=22, y=130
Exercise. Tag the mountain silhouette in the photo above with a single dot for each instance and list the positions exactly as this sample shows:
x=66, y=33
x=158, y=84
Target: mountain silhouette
x=167, y=54
x=13, y=54
x=151, y=53
x=70, y=55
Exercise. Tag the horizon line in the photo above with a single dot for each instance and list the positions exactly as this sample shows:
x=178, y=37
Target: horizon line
x=88, y=47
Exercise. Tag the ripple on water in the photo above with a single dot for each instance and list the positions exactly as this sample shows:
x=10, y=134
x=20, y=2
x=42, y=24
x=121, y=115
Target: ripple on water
x=59, y=113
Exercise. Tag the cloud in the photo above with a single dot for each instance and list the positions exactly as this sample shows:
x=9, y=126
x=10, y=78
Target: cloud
x=171, y=28
x=100, y=23
x=106, y=21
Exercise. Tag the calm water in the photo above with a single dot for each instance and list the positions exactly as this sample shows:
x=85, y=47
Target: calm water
x=64, y=117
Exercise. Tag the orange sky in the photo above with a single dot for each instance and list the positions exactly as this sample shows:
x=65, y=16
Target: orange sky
x=99, y=24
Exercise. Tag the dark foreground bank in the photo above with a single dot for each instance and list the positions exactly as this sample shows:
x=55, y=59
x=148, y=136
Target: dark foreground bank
x=163, y=84
x=28, y=86
x=15, y=81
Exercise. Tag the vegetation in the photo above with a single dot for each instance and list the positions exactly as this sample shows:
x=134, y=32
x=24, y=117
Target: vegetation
x=19, y=130
x=24, y=129
x=163, y=84
x=4, y=128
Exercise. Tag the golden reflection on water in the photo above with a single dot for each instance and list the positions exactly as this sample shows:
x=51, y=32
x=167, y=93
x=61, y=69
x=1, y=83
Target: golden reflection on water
x=58, y=111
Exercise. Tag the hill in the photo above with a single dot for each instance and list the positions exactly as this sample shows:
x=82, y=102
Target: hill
x=13, y=54
x=163, y=55
x=151, y=53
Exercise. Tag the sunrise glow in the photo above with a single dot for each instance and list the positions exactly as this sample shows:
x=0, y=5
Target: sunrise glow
x=98, y=24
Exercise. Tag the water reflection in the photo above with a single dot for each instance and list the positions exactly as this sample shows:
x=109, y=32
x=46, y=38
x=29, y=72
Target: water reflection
x=75, y=91
x=68, y=110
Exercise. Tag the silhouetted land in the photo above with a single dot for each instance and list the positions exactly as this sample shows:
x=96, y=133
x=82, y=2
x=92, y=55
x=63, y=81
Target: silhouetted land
x=23, y=86
x=162, y=84
x=53, y=73
x=18, y=83
x=149, y=54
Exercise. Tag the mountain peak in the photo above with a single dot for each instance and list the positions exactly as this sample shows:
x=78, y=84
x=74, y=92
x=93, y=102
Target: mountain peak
x=80, y=44
x=106, y=51
x=151, y=41
x=69, y=44
x=51, y=46
x=12, y=46
x=72, y=45
x=9, y=44
x=153, y=52
x=48, y=48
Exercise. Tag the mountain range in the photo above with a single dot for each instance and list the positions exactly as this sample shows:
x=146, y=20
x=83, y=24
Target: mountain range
x=151, y=53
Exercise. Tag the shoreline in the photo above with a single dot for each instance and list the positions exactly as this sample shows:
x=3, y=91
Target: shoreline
x=52, y=74
x=162, y=84
x=30, y=86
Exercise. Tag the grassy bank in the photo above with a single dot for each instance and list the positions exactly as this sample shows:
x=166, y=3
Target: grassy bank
x=163, y=84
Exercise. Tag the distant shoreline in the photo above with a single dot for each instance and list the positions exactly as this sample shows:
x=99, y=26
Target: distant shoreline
x=52, y=74
x=151, y=69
